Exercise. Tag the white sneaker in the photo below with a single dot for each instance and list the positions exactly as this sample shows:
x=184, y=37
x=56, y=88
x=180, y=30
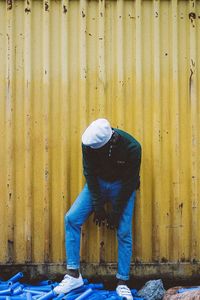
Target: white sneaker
x=68, y=284
x=124, y=292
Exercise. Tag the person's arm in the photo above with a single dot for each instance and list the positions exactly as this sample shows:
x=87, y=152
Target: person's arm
x=91, y=178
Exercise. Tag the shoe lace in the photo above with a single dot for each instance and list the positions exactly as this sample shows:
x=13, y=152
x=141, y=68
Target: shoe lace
x=125, y=290
x=65, y=279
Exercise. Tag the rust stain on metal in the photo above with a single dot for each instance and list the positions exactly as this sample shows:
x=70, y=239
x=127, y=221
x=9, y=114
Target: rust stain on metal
x=10, y=250
x=46, y=145
x=183, y=259
x=27, y=10
x=192, y=66
x=174, y=226
x=102, y=252
x=9, y=4
x=192, y=17
x=181, y=207
x=46, y=6
x=164, y=260
x=193, y=3
x=64, y=9
x=46, y=174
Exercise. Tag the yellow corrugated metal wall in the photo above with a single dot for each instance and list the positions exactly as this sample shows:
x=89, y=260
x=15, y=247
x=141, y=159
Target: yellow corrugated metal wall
x=65, y=63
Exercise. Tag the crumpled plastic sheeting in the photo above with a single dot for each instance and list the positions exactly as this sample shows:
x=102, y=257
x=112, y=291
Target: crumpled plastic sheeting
x=152, y=290
x=173, y=294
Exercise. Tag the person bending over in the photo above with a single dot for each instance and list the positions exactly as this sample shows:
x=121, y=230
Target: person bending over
x=111, y=166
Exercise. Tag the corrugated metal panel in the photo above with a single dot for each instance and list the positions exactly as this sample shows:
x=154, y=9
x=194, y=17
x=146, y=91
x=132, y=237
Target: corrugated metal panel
x=65, y=63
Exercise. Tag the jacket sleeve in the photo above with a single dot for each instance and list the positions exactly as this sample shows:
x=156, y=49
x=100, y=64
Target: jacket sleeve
x=131, y=179
x=91, y=178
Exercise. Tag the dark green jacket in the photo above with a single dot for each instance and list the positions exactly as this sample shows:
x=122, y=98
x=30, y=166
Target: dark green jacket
x=121, y=161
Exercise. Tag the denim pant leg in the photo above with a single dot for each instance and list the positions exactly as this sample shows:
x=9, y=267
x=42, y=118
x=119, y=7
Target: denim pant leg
x=124, y=233
x=75, y=217
x=124, y=237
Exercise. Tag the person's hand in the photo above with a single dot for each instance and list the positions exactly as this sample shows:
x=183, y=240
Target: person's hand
x=113, y=220
x=99, y=216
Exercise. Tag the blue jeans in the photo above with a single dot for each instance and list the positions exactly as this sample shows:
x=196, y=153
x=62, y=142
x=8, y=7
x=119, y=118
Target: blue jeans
x=79, y=212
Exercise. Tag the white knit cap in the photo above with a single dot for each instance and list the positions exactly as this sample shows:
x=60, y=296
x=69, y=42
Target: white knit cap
x=97, y=134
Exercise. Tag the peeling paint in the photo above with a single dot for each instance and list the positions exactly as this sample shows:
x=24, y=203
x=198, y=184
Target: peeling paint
x=102, y=252
x=27, y=10
x=181, y=208
x=192, y=69
x=192, y=17
x=46, y=174
x=9, y=4
x=164, y=260
x=64, y=9
x=10, y=250
x=46, y=6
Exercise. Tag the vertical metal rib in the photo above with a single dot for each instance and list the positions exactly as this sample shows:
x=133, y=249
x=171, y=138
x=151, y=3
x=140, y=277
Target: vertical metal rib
x=10, y=132
x=28, y=132
x=65, y=120
x=83, y=102
x=193, y=101
x=165, y=157
x=175, y=142
x=119, y=105
x=3, y=126
x=101, y=56
x=140, y=242
x=101, y=96
x=83, y=76
x=46, y=101
x=156, y=133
